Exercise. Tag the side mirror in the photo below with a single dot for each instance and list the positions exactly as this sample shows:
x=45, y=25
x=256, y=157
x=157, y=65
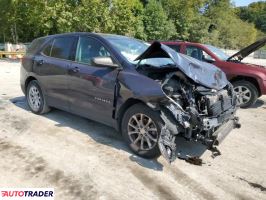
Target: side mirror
x=104, y=62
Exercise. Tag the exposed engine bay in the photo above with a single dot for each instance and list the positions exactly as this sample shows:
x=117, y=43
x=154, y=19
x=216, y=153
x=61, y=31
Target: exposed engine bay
x=194, y=111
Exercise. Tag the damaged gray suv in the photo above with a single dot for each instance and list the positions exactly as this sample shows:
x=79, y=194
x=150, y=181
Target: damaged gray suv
x=150, y=93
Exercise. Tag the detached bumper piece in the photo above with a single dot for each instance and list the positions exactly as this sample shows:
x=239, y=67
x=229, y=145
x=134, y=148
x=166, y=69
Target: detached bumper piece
x=167, y=145
x=220, y=134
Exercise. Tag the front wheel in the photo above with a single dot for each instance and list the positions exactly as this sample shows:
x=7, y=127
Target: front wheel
x=141, y=127
x=246, y=93
x=36, y=99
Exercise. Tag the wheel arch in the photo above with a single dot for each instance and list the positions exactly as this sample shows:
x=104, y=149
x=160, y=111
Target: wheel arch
x=127, y=104
x=28, y=80
x=249, y=79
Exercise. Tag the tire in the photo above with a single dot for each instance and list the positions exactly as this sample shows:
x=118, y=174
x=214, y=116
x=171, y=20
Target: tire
x=139, y=111
x=35, y=98
x=248, y=95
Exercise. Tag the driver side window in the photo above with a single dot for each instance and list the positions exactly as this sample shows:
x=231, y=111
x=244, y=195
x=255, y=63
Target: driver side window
x=89, y=48
x=199, y=54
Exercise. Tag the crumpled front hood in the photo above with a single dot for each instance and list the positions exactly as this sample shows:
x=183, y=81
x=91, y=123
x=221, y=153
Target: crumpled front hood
x=202, y=73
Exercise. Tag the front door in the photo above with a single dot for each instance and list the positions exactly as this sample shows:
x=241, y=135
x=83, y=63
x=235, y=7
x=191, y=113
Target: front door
x=92, y=87
x=199, y=54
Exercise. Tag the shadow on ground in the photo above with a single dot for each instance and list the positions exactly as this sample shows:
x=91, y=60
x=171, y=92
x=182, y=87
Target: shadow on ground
x=259, y=103
x=109, y=136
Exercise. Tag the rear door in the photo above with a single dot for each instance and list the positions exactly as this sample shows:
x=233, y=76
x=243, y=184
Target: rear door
x=92, y=87
x=52, y=68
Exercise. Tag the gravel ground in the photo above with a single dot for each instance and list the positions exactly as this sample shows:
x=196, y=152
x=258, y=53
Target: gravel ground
x=83, y=159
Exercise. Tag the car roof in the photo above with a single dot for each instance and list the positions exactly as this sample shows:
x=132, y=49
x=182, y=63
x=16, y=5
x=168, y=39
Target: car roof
x=180, y=42
x=83, y=33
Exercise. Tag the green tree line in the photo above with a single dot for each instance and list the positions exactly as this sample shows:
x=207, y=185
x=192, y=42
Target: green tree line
x=208, y=21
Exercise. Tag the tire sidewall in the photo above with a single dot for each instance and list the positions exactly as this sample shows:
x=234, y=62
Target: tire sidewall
x=253, y=90
x=141, y=108
x=35, y=83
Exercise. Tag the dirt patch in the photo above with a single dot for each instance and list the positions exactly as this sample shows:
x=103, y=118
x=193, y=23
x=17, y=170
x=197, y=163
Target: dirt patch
x=161, y=191
x=186, y=181
x=36, y=167
x=19, y=124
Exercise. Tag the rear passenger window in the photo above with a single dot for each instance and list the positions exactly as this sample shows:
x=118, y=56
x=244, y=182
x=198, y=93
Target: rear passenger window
x=175, y=47
x=35, y=45
x=60, y=48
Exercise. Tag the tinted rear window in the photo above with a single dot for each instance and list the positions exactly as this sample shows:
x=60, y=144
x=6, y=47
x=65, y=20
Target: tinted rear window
x=35, y=45
x=47, y=49
x=61, y=47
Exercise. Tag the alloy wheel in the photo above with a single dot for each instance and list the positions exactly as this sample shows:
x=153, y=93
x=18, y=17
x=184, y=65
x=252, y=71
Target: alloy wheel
x=243, y=94
x=34, y=98
x=142, y=131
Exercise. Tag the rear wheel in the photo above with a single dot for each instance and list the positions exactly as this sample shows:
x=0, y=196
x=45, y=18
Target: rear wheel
x=246, y=93
x=35, y=98
x=141, y=127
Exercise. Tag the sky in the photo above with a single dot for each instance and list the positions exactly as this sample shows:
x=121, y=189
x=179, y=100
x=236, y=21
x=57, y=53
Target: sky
x=244, y=2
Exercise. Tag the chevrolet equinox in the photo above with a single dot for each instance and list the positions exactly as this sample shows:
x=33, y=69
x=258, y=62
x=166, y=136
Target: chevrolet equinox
x=149, y=93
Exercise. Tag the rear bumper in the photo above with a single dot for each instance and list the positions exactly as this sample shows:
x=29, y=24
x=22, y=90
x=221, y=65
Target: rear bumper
x=23, y=76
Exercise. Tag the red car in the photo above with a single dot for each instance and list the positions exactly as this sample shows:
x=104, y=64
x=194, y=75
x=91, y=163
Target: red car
x=249, y=80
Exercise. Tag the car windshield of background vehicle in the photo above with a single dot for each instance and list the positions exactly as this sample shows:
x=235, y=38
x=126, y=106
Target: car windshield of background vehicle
x=218, y=52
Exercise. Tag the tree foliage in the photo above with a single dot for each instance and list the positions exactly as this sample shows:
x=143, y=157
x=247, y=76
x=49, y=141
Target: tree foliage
x=124, y=17
x=90, y=16
x=156, y=24
x=209, y=21
x=254, y=13
x=228, y=30
x=187, y=18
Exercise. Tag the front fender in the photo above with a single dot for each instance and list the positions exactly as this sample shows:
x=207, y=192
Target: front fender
x=138, y=86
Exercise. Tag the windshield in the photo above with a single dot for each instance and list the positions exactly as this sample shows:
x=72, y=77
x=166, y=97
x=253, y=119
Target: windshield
x=218, y=52
x=130, y=48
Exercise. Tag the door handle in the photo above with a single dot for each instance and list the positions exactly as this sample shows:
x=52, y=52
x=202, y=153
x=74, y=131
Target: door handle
x=75, y=70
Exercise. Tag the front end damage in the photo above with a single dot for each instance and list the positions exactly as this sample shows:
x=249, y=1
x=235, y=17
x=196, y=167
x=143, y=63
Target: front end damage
x=195, y=112
x=199, y=103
